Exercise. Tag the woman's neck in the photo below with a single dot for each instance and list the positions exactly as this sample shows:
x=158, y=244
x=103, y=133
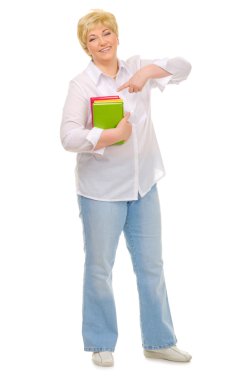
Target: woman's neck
x=110, y=68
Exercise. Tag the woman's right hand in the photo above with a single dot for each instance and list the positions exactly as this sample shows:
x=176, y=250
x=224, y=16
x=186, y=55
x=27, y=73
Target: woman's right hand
x=113, y=135
x=124, y=128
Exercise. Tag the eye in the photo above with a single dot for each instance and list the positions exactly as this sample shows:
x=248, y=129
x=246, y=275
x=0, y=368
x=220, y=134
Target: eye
x=107, y=33
x=92, y=39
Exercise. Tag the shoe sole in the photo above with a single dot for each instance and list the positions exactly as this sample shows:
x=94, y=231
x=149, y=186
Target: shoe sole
x=157, y=355
x=103, y=364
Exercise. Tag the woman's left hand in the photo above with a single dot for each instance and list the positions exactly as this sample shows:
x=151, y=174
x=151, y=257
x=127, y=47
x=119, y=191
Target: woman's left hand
x=136, y=82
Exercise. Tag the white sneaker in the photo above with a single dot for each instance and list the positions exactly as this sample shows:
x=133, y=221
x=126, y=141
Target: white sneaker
x=172, y=353
x=103, y=358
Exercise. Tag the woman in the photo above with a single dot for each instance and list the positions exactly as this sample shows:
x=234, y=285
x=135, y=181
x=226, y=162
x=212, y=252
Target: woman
x=117, y=190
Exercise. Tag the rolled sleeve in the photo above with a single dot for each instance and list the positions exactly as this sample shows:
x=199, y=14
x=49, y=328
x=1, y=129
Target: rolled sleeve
x=161, y=83
x=75, y=137
x=177, y=66
x=94, y=136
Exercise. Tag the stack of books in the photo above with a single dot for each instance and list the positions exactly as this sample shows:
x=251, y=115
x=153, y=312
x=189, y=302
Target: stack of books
x=107, y=112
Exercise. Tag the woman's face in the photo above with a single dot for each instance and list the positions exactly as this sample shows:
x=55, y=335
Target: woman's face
x=102, y=44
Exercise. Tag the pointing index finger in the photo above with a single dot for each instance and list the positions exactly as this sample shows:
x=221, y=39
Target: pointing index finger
x=123, y=86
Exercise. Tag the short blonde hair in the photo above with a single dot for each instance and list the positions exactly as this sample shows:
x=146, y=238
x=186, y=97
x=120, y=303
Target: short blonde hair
x=90, y=20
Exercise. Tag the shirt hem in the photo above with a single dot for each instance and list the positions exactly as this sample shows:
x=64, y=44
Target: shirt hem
x=123, y=200
x=155, y=182
x=107, y=200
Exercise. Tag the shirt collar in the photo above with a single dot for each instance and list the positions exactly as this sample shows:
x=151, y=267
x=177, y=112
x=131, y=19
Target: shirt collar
x=95, y=73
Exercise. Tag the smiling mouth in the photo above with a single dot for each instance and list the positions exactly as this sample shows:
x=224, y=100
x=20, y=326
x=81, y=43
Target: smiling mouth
x=105, y=50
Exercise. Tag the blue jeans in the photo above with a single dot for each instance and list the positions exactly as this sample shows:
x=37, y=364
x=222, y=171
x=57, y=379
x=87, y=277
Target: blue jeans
x=103, y=222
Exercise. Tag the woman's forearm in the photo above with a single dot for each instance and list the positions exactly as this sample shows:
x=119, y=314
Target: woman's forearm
x=153, y=71
x=138, y=80
x=108, y=137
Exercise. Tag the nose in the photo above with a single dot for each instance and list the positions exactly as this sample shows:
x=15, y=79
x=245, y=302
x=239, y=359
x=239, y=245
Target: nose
x=102, y=40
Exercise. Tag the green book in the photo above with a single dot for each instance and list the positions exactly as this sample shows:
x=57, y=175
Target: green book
x=107, y=114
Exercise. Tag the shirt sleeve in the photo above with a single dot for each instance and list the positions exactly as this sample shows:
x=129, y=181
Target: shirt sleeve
x=178, y=67
x=74, y=136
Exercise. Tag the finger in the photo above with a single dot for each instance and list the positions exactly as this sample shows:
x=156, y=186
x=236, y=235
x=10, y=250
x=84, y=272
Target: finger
x=123, y=86
x=136, y=89
x=127, y=115
x=131, y=89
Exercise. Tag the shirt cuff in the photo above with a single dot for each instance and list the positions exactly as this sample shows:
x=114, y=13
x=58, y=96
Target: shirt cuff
x=177, y=66
x=161, y=82
x=94, y=136
x=167, y=64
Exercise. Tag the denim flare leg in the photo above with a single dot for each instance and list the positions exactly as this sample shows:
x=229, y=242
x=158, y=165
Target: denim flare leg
x=103, y=223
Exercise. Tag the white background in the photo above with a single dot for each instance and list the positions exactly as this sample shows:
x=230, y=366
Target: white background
x=203, y=126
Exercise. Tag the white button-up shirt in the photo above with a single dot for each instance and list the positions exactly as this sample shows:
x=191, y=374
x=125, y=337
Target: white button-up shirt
x=116, y=172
